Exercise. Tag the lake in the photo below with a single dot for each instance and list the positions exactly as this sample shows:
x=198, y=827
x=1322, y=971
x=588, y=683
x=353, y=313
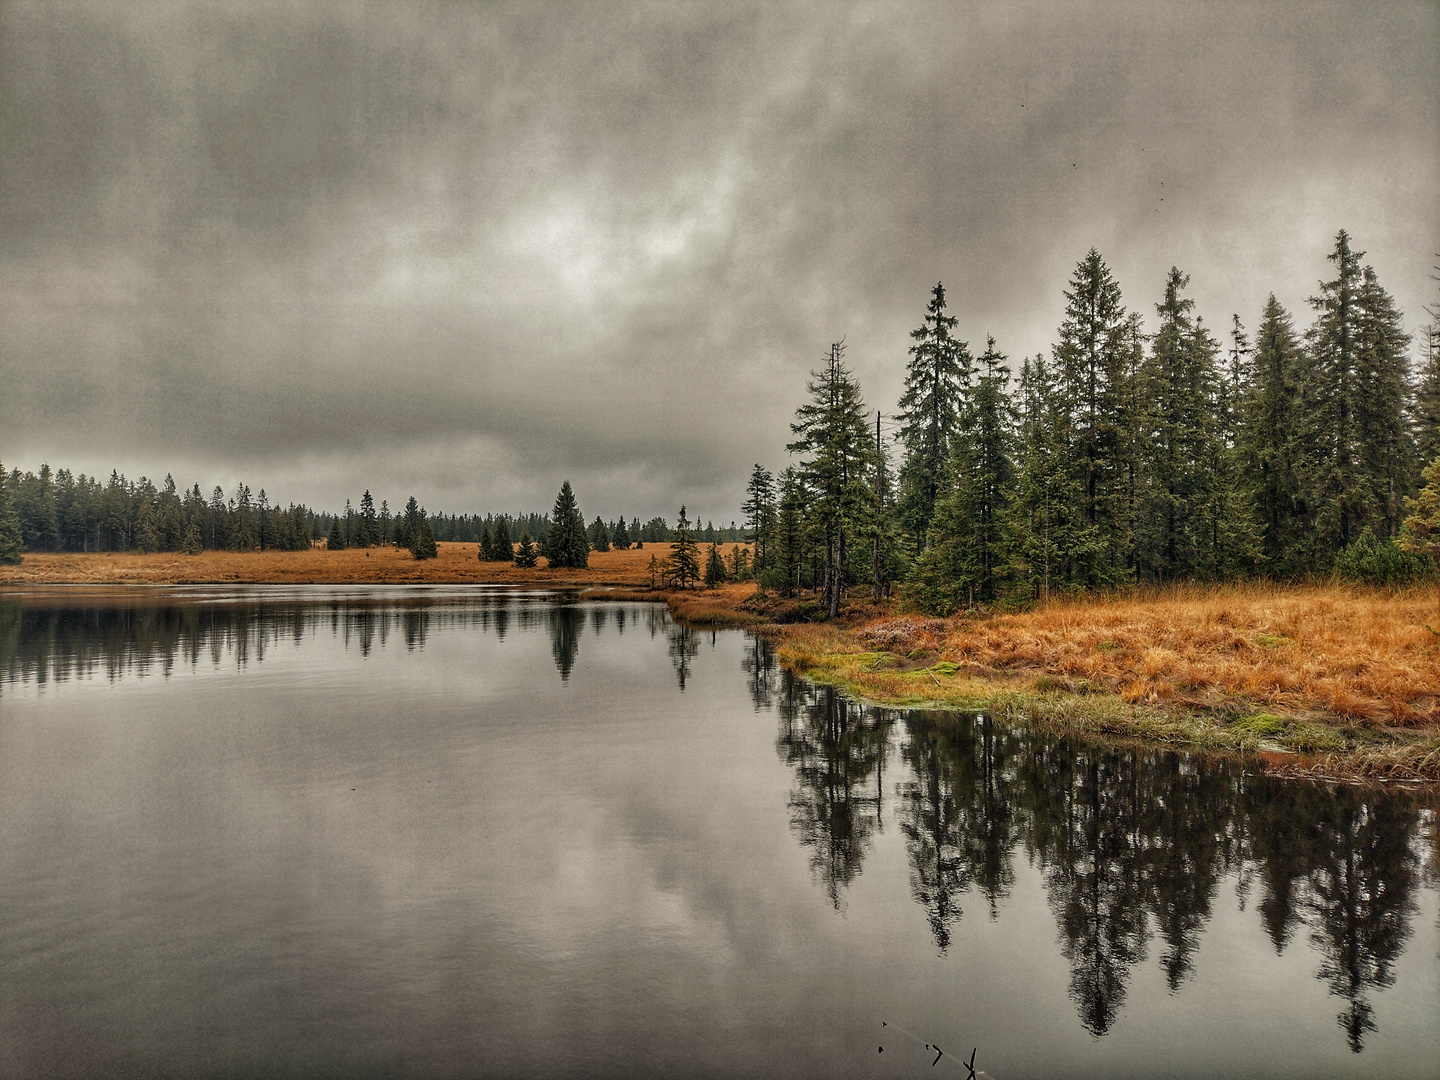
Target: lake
x=309, y=831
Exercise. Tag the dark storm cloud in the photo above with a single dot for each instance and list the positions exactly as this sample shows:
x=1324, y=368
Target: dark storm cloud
x=467, y=250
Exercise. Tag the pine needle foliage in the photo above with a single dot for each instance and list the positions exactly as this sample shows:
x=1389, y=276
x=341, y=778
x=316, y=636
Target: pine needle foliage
x=716, y=572
x=835, y=441
x=12, y=549
x=681, y=568
x=566, y=545
x=937, y=382
x=527, y=554
x=965, y=558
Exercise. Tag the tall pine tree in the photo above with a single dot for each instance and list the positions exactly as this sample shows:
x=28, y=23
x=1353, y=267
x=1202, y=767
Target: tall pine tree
x=682, y=566
x=1362, y=463
x=1182, y=389
x=967, y=553
x=565, y=544
x=936, y=384
x=834, y=438
x=1052, y=541
x=1097, y=360
x=759, y=511
x=1273, y=442
x=12, y=548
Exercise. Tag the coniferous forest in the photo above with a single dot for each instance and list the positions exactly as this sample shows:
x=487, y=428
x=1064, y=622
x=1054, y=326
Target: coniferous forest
x=1284, y=451
x=58, y=510
x=1188, y=454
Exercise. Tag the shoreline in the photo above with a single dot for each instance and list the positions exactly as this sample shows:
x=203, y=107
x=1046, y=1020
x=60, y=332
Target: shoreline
x=990, y=662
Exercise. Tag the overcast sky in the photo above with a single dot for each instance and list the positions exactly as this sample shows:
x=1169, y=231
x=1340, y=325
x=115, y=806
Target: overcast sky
x=466, y=250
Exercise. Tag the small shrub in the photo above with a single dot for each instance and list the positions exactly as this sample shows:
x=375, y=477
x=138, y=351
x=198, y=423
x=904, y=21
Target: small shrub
x=1375, y=561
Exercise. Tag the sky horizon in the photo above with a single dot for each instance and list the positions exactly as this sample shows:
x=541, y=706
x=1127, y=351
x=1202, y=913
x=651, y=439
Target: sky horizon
x=466, y=253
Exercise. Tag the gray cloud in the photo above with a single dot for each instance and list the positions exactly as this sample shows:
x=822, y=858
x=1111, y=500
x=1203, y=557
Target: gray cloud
x=468, y=250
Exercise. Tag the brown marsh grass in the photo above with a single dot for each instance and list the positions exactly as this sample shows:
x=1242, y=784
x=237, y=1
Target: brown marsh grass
x=1362, y=655
x=1324, y=681
x=456, y=564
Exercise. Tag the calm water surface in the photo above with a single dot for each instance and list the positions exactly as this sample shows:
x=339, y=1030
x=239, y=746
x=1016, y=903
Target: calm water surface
x=442, y=832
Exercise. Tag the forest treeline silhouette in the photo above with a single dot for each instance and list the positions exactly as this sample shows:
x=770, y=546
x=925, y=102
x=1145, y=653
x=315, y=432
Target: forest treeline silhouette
x=52, y=510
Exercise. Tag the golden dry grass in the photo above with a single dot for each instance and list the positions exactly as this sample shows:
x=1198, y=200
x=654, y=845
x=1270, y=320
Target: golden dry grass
x=456, y=564
x=1358, y=654
x=1326, y=682
x=714, y=607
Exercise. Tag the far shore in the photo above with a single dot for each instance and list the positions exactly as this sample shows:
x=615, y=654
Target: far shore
x=1331, y=682
x=457, y=564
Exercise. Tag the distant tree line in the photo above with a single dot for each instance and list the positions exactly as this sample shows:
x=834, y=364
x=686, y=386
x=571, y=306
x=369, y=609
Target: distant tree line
x=1122, y=457
x=61, y=511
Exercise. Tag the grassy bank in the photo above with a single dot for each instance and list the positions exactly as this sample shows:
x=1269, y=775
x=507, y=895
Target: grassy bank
x=1322, y=681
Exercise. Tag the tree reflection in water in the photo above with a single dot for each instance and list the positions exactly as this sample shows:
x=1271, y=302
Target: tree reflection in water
x=1131, y=844
x=683, y=645
x=760, y=668
x=956, y=818
x=565, y=624
x=834, y=746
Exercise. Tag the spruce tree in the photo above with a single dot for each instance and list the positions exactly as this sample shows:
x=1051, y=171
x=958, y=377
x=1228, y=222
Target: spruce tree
x=1357, y=349
x=528, y=553
x=621, y=538
x=500, y=539
x=1181, y=387
x=422, y=538
x=1421, y=532
x=600, y=535
x=35, y=505
x=1097, y=362
x=147, y=519
x=367, y=532
x=715, y=571
x=12, y=548
x=739, y=566
x=1052, y=543
x=191, y=544
x=565, y=544
x=836, y=441
x=787, y=549
x=682, y=566
x=1272, y=442
x=1234, y=383
x=759, y=510
x=336, y=539
x=1425, y=408
x=1388, y=453
x=486, y=547
x=967, y=548
x=936, y=384
x=407, y=525
x=888, y=542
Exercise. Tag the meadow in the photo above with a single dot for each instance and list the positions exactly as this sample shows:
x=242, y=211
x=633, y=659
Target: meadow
x=1335, y=680
x=456, y=564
